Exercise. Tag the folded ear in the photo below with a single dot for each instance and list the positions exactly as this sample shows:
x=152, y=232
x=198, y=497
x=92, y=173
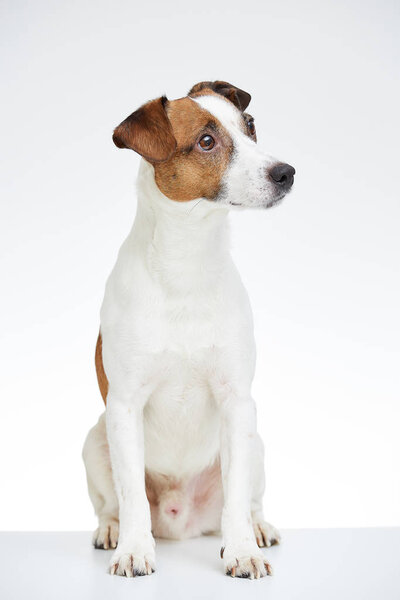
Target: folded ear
x=148, y=132
x=238, y=97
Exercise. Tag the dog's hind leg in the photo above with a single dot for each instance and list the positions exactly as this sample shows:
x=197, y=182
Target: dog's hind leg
x=96, y=457
x=266, y=534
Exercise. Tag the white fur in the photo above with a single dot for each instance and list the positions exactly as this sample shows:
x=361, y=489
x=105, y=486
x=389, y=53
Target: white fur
x=245, y=182
x=179, y=354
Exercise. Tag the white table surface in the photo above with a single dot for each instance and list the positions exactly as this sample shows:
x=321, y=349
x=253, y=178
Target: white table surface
x=310, y=564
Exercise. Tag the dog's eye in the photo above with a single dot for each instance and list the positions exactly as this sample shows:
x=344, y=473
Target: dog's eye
x=251, y=127
x=207, y=142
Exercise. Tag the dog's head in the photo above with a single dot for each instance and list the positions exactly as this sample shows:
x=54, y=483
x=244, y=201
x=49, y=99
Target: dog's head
x=205, y=146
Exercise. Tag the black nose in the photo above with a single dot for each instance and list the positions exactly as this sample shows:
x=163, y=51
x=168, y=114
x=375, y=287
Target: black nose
x=282, y=175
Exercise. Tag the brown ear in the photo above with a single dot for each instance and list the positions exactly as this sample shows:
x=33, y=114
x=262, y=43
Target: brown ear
x=148, y=132
x=238, y=97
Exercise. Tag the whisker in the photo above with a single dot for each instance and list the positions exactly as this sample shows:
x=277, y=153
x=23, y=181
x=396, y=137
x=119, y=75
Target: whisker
x=193, y=207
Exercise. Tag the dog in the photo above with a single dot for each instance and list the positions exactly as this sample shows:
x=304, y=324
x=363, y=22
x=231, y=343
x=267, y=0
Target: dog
x=176, y=453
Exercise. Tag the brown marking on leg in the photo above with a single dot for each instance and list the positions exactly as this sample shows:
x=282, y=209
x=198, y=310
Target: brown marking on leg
x=101, y=374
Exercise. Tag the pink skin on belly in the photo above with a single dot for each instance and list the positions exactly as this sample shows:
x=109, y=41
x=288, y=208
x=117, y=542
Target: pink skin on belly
x=187, y=507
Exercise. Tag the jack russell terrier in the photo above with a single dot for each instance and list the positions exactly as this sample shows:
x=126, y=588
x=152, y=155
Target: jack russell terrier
x=176, y=454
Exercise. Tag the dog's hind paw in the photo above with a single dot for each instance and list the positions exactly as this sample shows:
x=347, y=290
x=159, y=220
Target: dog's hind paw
x=266, y=534
x=106, y=535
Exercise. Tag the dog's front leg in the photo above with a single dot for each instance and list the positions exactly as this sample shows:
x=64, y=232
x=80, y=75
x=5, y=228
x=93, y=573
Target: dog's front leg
x=242, y=557
x=135, y=552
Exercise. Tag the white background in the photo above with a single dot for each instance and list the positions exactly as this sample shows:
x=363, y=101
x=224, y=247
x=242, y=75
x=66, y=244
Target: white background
x=321, y=269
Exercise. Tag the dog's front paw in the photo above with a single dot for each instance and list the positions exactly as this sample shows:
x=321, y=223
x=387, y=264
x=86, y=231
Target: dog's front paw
x=266, y=534
x=245, y=561
x=130, y=564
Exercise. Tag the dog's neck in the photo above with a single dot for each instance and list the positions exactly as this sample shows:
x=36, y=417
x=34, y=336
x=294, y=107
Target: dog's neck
x=181, y=242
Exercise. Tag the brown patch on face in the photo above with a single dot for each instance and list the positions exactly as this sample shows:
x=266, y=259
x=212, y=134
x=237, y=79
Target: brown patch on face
x=167, y=134
x=193, y=172
x=101, y=374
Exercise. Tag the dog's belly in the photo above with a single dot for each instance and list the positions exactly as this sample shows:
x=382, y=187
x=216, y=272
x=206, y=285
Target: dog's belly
x=181, y=422
x=189, y=507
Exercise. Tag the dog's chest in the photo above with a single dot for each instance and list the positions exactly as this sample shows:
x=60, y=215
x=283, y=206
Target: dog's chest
x=181, y=419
